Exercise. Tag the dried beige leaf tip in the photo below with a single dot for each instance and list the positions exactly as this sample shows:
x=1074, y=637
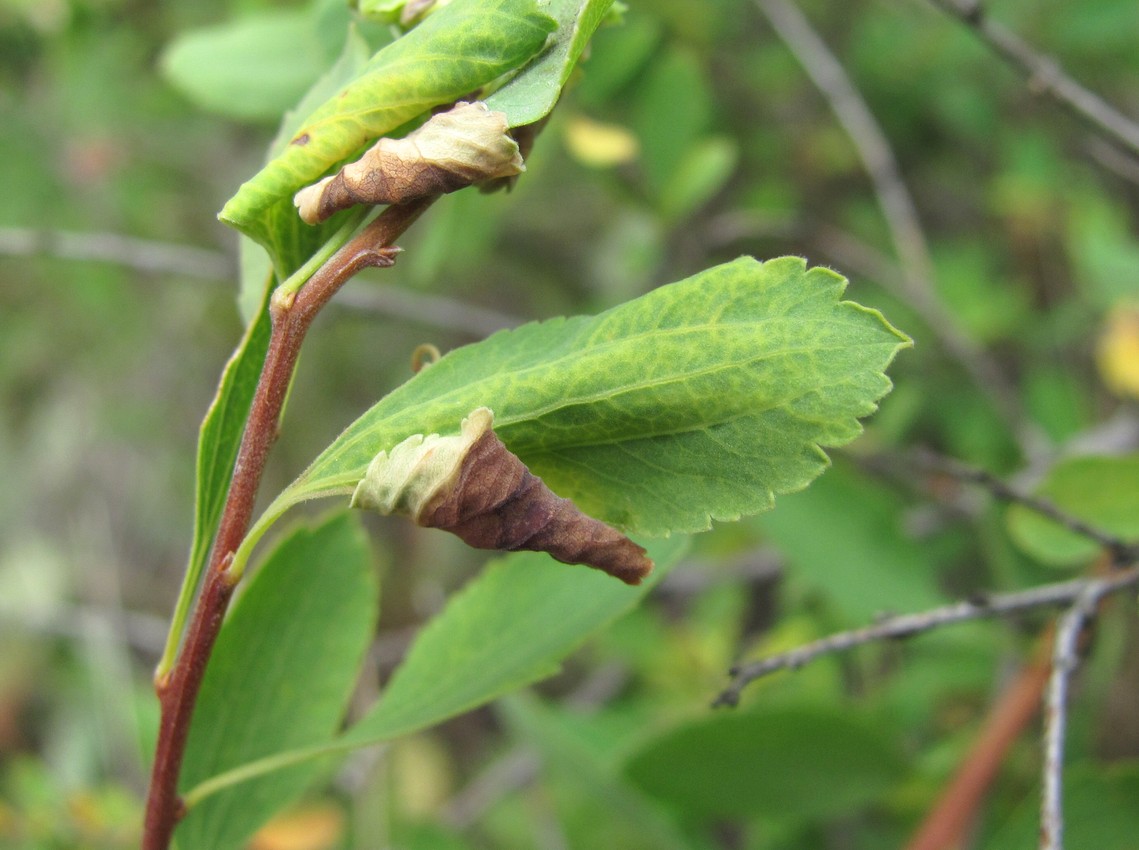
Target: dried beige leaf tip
x=471, y=485
x=465, y=145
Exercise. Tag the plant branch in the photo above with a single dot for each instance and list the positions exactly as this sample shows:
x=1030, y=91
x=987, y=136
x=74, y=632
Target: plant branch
x=437, y=311
x=908, y=625
x=899, y=210
x=1121, y=551
x=1045, y=75
x=291, y=318
x=144, y=255
x=1065, y=658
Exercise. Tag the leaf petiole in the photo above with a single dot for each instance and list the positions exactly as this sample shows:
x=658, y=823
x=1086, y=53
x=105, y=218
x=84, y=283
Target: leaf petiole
x=356, y=220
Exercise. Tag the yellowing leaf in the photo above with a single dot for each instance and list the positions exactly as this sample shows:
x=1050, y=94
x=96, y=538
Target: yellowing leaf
x=600, y=145
x=317, y=827
x=1118, y=351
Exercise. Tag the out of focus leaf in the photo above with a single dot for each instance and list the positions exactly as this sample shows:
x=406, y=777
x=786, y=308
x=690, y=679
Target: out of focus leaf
x=845, y=536
x=809, y=761
x=703, y=172
x=619, y=54
x=252, y=68
x=1103, y=491
x=312, y=827
x=672, y=112
x=1104, y=250
x=599, y=805
x=599, y=145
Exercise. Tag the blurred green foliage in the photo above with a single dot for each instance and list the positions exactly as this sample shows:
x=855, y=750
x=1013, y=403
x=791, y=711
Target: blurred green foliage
x=712, y=143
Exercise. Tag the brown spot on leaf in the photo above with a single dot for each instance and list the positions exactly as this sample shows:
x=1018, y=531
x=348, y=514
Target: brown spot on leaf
x=497, y=503
x=474, y=487
x=466, y=145
x=301, y=140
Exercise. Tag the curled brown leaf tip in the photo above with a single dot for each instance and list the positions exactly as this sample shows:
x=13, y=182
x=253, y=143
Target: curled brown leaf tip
x=465, y=145
x=474, y=487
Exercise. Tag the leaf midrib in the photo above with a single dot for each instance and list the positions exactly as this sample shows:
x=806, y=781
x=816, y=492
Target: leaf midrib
x=535, y=413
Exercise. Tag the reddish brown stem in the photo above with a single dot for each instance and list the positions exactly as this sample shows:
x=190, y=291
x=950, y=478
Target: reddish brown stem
x=178, y=691
x=945, y=827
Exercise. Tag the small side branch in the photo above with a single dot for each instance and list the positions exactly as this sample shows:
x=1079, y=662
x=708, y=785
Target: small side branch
x=908, y=625
x=1121, y=551
x=144, y=255
x=1045, y=75
x=916, y=286
x=1065, y=658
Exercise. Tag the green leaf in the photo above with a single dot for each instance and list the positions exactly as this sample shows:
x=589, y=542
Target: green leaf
x=703, y=172
x=253, y=68
x=288, y=240
x=598, y=805
x=219, y=439
x=532, y=93
x=386, y=11
x=698, y=401
x=802, y=762
x=281, y=673
x=864, y=563
x=220, y=434
x=458, y=49
x=672, y=113
x=510, y=626
x=1102, y=491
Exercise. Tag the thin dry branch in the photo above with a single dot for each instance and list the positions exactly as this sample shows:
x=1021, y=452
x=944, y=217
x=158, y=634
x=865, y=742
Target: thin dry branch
x=916, y=286
x=144, y=255
x=1121, y=551
x=1065, y=659
x=1045, y=75
x=436, y=311
x=908, y=625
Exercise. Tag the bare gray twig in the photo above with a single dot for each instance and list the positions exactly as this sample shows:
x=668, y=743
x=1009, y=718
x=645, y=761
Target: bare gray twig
x=145, y=255
x=1045, y=75
x=436, y=311
x=163, y=258
x=144, y=633
x=907, y=625
x=900, y=211
x=1065, y=658
x=1122, y=551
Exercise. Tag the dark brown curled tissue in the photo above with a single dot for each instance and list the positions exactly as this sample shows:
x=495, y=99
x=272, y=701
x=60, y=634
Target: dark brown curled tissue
x=490, y=500
x=464, y=146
